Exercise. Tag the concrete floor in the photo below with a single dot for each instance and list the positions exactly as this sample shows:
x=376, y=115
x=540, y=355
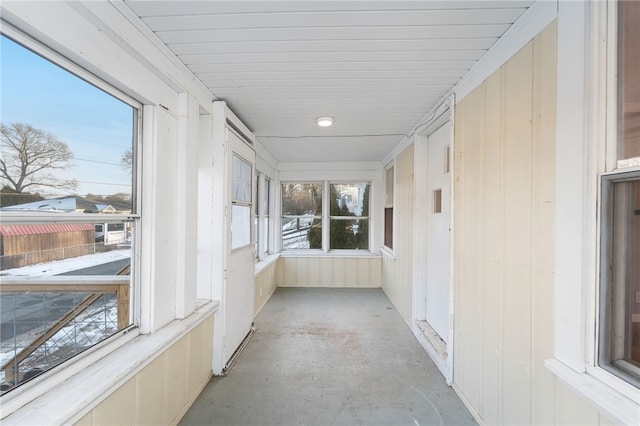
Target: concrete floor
x=325, y=356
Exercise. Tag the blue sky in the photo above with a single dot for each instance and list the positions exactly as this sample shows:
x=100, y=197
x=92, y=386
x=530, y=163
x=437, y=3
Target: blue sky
x=96, y=126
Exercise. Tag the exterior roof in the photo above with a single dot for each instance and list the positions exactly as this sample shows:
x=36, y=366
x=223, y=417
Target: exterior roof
x=70, y=204
x=17, y=230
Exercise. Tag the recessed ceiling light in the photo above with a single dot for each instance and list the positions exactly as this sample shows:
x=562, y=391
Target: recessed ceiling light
x=324, y=121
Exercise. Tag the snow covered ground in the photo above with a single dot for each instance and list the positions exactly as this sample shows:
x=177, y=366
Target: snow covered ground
x=61, y=266
x=26, y=315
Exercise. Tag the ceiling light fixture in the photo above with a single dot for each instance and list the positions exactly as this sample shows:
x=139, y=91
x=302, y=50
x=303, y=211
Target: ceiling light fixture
x=324, y=121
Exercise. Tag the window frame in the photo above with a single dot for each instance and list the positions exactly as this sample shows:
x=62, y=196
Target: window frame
x=53, y=377
x=585, y=151
x=315, y=216
x=326, y=217
x=263, y=211
x=613, y=171
x=604, y=343
x=330, y=217
x=389, y=203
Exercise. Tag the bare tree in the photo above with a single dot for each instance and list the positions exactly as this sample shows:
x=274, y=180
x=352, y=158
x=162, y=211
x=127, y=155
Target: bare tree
x=29, y=155
x=127, y=159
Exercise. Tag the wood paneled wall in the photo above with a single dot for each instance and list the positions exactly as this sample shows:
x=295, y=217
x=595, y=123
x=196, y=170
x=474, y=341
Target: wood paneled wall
x=504, y=245
x=265, y=284
x=327, y=271
x=397, y=269
x=162, y=392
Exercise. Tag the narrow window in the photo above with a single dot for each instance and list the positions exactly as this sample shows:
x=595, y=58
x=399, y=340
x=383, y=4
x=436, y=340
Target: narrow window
x=265, y=216
x=241, y=203
x=447, y=159
x=437, y=200
x=388, y=207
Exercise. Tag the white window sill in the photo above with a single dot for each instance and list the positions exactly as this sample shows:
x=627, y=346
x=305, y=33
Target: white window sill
x=608, y=400
x=333, y=253
x=387, y=252
x=263, y=264
x=68, y=399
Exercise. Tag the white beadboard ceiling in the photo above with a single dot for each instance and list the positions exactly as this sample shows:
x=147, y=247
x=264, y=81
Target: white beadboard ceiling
x=377, y=67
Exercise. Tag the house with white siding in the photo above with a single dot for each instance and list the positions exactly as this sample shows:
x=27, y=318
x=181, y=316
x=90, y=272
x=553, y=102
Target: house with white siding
x=494, y=149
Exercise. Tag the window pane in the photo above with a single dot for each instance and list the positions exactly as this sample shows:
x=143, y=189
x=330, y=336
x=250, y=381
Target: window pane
x=388, y=187
x=302, y=199
x=304, y=232
x=265, y=234
x=68, y=147
x=61, y=138
x=620, y=332
x=265, y=201
x=79, y=312
x=241, y=180
x=240, y=226
x=629, y=83
x=349, y=234
x=349, y=199
x=388, y=227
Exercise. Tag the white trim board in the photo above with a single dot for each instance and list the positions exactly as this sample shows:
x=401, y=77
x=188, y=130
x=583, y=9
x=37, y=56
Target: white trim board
x=532, y=22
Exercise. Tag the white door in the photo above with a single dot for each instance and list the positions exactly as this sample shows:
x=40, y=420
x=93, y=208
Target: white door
x=438, y=231
x=240, y=281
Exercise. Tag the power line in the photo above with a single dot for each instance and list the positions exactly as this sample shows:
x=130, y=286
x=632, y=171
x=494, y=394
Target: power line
x=98, y=162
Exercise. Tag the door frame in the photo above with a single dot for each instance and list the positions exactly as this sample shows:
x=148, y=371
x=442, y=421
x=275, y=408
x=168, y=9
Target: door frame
x=441, y=354
x=222, y=121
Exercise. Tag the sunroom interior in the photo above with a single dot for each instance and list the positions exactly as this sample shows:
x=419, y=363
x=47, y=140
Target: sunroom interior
x=471, y=169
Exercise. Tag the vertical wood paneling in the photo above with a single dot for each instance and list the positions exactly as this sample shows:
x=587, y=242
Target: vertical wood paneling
x=351, y=274
x=300, y=271
x=504, y=243
x=337, y=268
x=516, y=320
x=375, y=272
x=324, y=271
x=398, y=272
x=315, y=272
x=543, y=259
x=290, y=273
x=327, y=272
x=492, y=251
x=472, y=234
x=459, y=260
x=176, y=379
x=363, y=276
x=119, y=408
x=572, y=410
x=87, y=420
x=163, y=390
x=150, y=392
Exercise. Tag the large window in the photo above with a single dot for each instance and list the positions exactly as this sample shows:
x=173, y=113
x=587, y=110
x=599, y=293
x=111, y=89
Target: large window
x=302, y=216
x=619, y=343
x=68, y=212
x=349, y=216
